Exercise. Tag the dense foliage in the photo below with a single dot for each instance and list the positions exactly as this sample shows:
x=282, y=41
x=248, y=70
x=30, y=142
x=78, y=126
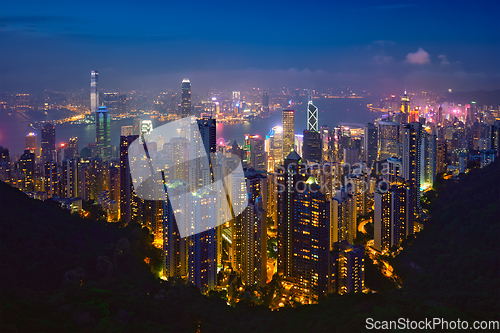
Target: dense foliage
x=61, y=272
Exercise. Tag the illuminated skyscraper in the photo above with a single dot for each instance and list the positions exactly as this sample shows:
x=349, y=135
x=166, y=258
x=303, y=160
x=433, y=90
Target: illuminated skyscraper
x=71, y=149
x=94, y=92
x=411, y=159
x=256, y=153
x=391, y=217
x=370, y=144
x=69, y=178
x=103, y=133
x=311, y=241
x=31, y=142
x=27, y=168
x=287, y=178
x=265, y=103
x=347, y=268
x=112, y=102
x=388, y=135
x=288, y=131
x=186, y=98
x=311, y=146
x=312, y=117
x=405, y=104
x=48, y=142
x=253, y=231
x=126, y=187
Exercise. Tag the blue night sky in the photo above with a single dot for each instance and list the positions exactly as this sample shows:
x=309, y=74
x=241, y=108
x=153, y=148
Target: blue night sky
x=154, y=44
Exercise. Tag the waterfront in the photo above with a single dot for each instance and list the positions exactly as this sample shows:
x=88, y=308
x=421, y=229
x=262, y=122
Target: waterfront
x=332, y=112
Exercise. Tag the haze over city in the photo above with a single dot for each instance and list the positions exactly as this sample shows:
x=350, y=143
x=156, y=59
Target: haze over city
x=249, y=166
x=423, y=45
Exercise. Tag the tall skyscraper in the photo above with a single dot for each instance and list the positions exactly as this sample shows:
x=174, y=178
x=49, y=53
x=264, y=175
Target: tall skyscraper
x=186, y=98
x=412, y=134
x=27, y=168
x=208, y=134
x=391, y=223
x=103, y=133
x=126, y=186
x=94, y=92
x=265, y=103
x=288, y=131
x=31, y=142
x=312, y=116
x=311, y=146
x=69, y=178
x=48, y=142
x=405, y=104
x=71, y=148
x=253, y=231
x=347, y=268
x=311, y=242
x=370, y=144
x=388, y=134
x=256, y=153
x=287, y=178
x=112, y=102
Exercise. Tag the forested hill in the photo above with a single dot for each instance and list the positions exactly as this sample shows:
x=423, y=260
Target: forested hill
x=63, y=273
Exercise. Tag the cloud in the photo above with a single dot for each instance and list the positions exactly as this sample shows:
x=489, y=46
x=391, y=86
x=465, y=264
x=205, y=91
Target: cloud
x=382, y=59
x=420, y=57
x=444, y=60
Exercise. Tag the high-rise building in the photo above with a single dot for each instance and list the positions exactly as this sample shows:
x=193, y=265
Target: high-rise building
x=103, y=133
x=325, y=143
x=126, y=185
x=312, y=117
x=256, y=152
x=186, y=98
x=288, y=131
x=287, y=178
x=69, y=178
x=51, y=179
x=311, y=242
x=71, y=148
x=112, y=102
x=265, y=103
x=343, y=216
x=347, y=268
x=412, y=134
x=351, y=156
x=391, y=217
x=94, y=92
x=253, y=231
x=311, y=146
x=208, y=134
x=405, y=104
x=202, y=255
x=48, y=142
x=388, y=134
x=27, y=168
x=370, y=144
x=31, y=142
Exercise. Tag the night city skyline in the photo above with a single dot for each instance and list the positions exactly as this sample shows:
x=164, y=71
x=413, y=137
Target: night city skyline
x=249, y=167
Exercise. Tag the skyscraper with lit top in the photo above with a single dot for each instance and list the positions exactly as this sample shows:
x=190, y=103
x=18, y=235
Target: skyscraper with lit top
x=288, y=131
x=103, y=133
x=186, y=98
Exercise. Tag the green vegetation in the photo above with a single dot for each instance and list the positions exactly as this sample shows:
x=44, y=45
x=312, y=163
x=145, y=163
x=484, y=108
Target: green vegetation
x=64, y=273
